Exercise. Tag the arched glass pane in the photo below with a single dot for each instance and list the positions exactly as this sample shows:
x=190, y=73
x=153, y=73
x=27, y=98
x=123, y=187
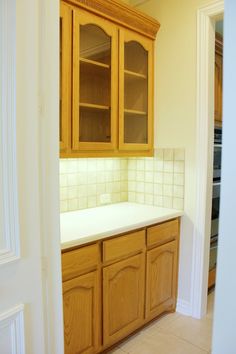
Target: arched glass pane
x=135, y=93
x=95, y=84
x=95, y=44
x=136, y=58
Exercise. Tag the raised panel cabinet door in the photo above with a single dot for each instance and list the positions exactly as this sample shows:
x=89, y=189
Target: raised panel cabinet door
x=65, y=76
x=136, y=77
x=218, y=87
x=95, y=83
x=161, y=280
x=123, y=298
x=81, y=302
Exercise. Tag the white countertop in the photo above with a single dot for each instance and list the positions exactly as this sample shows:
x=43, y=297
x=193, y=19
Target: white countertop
x=83, y=226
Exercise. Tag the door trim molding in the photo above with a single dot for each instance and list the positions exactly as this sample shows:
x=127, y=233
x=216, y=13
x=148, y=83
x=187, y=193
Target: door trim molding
x=8, y=162
x=204, y=156
x=13, y=319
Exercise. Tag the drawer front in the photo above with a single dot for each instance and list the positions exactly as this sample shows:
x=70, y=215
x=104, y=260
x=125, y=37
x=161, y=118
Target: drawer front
x=123, y=246
x=79, y=261
x=162, y=233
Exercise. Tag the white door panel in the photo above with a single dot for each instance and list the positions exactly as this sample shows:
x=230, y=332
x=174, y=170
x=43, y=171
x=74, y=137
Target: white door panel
x=12, y=331
x=27, y=316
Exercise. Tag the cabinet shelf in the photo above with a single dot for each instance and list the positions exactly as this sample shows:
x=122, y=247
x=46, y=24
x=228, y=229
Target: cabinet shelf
x=95, y=63
x=94, y=106
x=134, y=75
x=134, y=112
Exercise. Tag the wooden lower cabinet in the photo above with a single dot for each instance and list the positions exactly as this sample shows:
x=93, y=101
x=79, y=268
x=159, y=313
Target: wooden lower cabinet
x=123, y=298
x=115, y=286
x=161, y=281
x=81, y=301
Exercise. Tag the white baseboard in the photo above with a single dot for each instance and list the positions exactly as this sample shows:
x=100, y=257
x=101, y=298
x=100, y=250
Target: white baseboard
x=184, y=307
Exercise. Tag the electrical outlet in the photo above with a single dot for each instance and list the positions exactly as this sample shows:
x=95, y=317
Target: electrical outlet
x=105, y=198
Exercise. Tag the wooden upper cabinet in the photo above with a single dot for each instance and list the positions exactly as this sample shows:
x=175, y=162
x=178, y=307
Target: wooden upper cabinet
x=135, y=92
x=218, y=80
x=123, y=298
x=95, y=82
x=106, y=71
x=161, y=281
x=65, y=77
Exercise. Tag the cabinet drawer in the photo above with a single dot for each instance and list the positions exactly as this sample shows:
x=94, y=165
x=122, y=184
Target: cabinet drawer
x=162, y=233
x=123, y=246
x=78, y=261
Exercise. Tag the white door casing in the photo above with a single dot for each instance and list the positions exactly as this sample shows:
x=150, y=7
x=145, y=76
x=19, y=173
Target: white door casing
x=207, y=16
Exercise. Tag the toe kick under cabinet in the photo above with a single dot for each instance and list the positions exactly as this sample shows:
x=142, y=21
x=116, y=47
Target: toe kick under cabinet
x=106, y=79
x=115, y=286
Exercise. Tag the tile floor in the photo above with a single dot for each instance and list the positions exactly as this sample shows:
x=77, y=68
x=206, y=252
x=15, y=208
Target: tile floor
x=173, y=334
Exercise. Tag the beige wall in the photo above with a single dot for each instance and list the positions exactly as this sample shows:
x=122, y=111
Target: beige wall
x=176, y=104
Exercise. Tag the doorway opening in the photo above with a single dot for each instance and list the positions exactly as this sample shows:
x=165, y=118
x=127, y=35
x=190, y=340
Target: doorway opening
x=208, y=16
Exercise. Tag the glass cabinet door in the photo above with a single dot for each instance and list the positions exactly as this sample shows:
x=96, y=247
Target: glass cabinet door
x=136, y=92
x=65, y=77
x=95, y=85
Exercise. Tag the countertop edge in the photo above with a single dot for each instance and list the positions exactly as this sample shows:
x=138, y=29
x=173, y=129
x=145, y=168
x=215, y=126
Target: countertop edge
x=116, y=231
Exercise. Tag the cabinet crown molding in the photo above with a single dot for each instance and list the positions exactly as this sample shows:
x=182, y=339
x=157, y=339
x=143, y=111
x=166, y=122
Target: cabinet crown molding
x=122, y=14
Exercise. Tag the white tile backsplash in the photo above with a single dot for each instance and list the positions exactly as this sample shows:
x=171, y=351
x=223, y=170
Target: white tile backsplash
x=157, y=180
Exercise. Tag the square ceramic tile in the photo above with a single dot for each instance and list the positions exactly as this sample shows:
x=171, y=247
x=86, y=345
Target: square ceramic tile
x=167, y=202
x=197, y=332
x=72, y=193
x=158, y=166
x=140, y=187
x=140, y=165
x=132, y=197
x=82, y=165
x=178, y=203
x=167, y=190
x=179, y=166
x=149, y=177
x=63, y=180
x=63, y=166
x=101, y=188
x=178, y=179
x=140, y=176
x=158, y=201
x=92, y=190
x=131, y=175
x=92, y=177
x=163, y=343
x=148, y=188
x=140, y=197
x=168, y=178
x=132, y=186
x=158, y=177
x=132, y=164
x=92, y=202
x=149, y=199
x=168, y=166
x=72, y=204
x=123, y=164
x=158, y=189
x=178, y=191
x=83, y=203
x=124, y=196
x=149, y=164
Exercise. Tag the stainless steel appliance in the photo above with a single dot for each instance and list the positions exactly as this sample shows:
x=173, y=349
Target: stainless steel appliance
x=215, y=197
